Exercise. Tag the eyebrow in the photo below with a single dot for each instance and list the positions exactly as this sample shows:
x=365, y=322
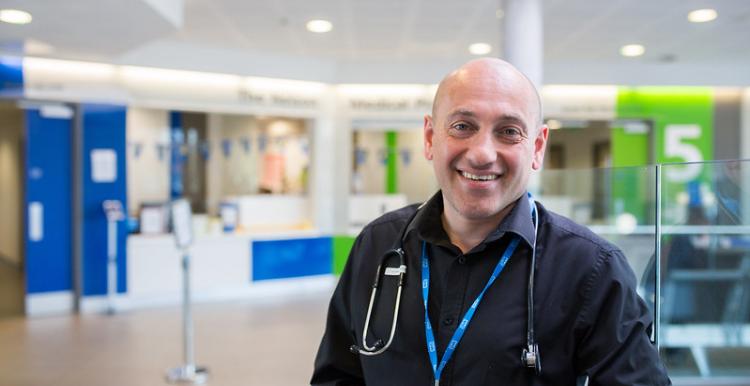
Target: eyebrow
x=513, y=118
x=461, y=113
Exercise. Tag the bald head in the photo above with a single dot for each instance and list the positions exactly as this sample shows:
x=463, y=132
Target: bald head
x=491, y=73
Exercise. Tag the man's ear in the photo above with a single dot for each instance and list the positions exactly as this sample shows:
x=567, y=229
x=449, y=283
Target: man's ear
x=540, y=145
x=429, y=131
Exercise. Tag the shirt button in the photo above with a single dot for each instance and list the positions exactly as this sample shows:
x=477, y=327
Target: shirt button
x=462, y=260
x=448, y=321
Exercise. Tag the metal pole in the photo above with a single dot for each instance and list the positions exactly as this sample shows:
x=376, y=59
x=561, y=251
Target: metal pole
x=187, y=317
x=188, y=372
x=657, y=261
x=111, y=264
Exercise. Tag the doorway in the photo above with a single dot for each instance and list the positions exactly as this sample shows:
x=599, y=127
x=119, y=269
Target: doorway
x=12, y=284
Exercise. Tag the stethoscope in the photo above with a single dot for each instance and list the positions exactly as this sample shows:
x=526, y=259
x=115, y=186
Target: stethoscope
x=529, y=356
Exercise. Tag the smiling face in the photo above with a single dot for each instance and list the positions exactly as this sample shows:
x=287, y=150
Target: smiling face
x=484, y=138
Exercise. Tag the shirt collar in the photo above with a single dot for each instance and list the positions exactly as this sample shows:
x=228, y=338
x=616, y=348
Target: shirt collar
x=429, y=225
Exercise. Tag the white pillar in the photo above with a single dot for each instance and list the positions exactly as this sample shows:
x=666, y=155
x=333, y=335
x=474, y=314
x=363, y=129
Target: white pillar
x=323, y=193
x=523, y=37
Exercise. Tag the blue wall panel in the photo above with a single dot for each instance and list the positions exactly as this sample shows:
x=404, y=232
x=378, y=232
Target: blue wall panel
x=103, y=128
x=275, y=259
x=11, y=77
x=48, y=182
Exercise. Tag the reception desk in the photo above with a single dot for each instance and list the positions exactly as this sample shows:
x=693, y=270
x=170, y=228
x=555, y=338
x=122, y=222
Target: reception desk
x=227, y=266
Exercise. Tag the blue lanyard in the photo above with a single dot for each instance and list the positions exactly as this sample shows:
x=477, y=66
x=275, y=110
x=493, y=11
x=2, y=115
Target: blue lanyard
x=459, y=333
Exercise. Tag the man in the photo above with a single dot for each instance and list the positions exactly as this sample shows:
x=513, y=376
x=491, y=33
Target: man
x=484, y=137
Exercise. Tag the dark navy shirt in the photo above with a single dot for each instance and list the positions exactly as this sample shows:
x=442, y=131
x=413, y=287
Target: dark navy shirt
x=588, y=318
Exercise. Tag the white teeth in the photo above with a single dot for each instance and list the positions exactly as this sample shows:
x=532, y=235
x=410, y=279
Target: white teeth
x=475, y=177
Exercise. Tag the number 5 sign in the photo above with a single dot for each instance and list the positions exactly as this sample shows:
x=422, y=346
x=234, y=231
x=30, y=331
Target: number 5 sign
x=676, y=146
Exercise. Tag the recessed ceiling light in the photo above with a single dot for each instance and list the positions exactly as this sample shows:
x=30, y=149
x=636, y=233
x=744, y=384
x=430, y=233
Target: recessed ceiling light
x=702, y=15
x=319, y=26
x=480, y=48
x=499, y=13
x=15, y=16
x=632, y=50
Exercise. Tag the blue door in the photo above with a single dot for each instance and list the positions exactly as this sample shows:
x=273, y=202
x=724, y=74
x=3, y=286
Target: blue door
x=104, y=178
x=48, y=200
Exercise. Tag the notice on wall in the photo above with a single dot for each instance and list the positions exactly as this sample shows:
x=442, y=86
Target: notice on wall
x=36, y=221
x=103, y=165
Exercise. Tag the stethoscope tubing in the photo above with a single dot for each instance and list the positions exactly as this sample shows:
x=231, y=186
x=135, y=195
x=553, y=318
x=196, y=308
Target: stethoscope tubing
x=530, y=356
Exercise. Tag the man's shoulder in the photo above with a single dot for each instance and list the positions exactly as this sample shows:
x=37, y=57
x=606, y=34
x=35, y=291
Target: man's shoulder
x=395, y=219
x=581, y=250
x=573, y=232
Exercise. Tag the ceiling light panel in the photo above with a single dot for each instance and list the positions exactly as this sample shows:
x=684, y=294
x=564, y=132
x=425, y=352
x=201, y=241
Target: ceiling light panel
x=319, y=26
x=15, y=16
x=702, y=15
x=480, y=48
x=632, y=50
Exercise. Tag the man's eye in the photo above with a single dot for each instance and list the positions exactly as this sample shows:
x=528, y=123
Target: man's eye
x=460, y=129
x=511, y=133
x=460, y=126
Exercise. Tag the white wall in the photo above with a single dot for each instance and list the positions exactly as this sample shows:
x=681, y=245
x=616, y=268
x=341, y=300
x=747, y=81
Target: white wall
x=238, y=169
x=148, y=175
x=240, y=172
x=417, y=179
x=575, y=179
x=369, y=176
x=11, y=181
x=745, y=125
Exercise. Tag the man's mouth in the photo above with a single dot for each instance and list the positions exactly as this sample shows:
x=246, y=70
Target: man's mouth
x=475, y=177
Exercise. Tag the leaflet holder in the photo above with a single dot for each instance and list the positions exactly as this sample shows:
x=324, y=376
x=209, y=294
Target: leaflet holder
x=113, y=211
x=183, y=234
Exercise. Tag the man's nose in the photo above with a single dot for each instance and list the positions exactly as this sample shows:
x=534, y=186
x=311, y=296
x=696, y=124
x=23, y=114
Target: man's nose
x=482, y=150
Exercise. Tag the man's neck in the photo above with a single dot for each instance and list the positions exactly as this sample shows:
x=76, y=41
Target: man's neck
x=468, y=233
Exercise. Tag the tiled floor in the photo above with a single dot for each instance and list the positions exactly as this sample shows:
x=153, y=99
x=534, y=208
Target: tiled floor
x=269, y=342
x=265, y=343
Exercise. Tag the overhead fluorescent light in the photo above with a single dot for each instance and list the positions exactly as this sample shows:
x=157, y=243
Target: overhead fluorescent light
x=632, y=50
x=319, y=26
x=480, y=48
x=702, y=15
x=15, y=16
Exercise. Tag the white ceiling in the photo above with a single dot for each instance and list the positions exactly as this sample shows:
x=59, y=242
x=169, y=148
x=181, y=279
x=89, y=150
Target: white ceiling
x=389, y=41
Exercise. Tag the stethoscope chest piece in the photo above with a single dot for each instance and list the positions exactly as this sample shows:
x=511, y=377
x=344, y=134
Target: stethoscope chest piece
x=530, y=358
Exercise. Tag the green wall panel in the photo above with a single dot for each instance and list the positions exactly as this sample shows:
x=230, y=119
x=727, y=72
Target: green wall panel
x=391, y=176
x=682, y=124
x=342, y=245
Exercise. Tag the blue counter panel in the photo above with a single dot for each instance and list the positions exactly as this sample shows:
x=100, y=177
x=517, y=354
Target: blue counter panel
x=48, y=183
x=103, y=128
x=276, y=259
